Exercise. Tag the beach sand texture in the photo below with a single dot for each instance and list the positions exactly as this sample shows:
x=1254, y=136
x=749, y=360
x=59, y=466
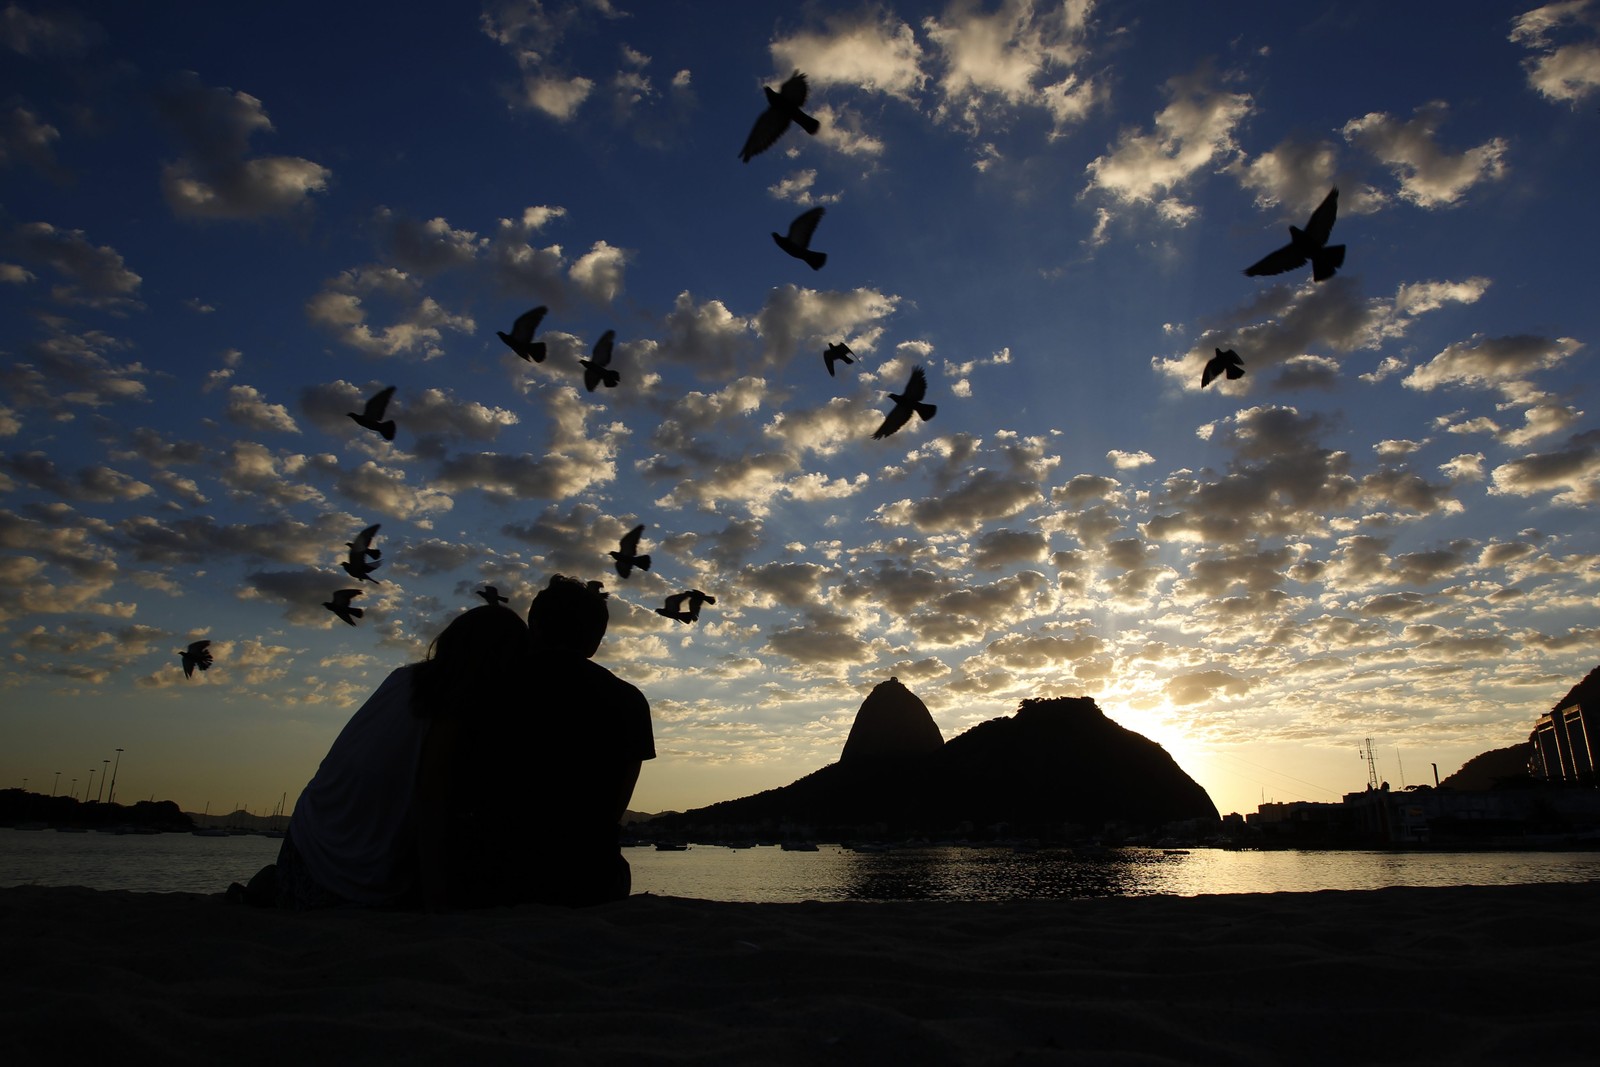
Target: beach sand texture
x=1405, y=975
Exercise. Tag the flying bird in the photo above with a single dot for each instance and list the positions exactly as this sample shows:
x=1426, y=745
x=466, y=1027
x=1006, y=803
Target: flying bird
x=520, y=339
x=198, y=654
x=783, y=107
x=674, y=608
x=361, y=547
x=629, y=558
x=1310, y=243
x=1222, y=363
x=906, y=403
x=371, y=416
x=798, y=241
x=598, y=370
x=340, y=605
x=491, y=596
x=361, y=550
x=836, y=353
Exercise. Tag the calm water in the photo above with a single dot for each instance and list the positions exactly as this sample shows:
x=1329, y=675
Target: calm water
x=185, y=863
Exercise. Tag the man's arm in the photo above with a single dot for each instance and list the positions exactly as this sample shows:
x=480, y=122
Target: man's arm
x=627, y=778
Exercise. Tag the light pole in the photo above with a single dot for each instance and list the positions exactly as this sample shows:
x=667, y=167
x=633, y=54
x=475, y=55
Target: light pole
x=101, y=791
x=74, y=789
x=112, y=799
x=88, y=787
x=56, y=785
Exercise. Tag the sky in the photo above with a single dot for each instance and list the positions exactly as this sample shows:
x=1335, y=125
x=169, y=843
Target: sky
x=222, y=227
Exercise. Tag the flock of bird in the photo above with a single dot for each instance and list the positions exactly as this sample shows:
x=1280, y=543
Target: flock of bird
x=783, y=110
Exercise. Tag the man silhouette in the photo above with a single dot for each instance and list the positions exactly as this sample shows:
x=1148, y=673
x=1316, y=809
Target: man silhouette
x=559, y=769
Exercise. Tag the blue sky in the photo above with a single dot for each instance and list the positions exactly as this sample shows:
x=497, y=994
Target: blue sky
x=220, y=229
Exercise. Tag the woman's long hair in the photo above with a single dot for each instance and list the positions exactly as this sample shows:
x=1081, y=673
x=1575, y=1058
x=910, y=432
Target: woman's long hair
x=476, y=664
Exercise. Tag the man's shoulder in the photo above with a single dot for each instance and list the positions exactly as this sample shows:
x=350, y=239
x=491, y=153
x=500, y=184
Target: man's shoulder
x=621, y=688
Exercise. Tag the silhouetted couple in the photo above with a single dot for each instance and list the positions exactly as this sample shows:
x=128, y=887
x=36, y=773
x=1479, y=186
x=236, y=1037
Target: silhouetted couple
x=494, y=772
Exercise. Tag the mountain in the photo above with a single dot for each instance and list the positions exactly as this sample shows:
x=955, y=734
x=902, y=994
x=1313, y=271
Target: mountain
x=892, y=722
x=1054, y=762
x=1488, y=769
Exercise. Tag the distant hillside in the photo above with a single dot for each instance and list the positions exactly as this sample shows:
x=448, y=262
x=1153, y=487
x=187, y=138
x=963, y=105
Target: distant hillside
x=1489, y=769
x=1054, y=762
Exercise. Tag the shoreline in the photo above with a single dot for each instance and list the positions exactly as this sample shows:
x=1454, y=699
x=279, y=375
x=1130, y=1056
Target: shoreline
x=1405, y=974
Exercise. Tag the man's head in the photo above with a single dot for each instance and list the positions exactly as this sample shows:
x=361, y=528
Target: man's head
x=570, y=615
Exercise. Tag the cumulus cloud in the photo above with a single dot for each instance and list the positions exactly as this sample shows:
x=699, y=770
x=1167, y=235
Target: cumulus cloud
x=1571, y=474
x=1429, y=176
x=341, y=308
x=1193, y=132
x=249, y=408
x=1502, y=363
x=95, y=276
x=216, y=178
x=1567, y=72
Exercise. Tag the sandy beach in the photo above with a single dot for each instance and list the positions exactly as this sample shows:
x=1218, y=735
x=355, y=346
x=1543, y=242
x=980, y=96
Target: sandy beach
x=1459, y=975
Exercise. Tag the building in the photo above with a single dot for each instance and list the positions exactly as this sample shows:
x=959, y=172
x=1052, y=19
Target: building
x=1565, y=739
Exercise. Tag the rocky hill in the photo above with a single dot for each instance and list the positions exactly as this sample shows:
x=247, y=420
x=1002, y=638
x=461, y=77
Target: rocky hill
x=1054, y=762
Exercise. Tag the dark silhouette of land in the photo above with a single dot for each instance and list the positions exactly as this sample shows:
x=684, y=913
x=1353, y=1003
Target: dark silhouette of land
x=1054, y=764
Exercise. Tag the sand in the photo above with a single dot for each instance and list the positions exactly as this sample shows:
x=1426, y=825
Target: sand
x=1460, y=975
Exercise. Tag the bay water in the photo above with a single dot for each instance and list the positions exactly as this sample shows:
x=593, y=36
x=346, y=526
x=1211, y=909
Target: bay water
x=166, y=863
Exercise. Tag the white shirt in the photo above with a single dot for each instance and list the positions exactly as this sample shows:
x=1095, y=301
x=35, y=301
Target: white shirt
x=354, y=824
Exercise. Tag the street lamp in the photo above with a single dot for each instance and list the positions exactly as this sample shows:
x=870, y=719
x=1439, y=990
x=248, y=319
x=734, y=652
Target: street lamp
x=74, y=789
x=56, y=784
x=88, y=787
x=101, y=792
x=112, y=799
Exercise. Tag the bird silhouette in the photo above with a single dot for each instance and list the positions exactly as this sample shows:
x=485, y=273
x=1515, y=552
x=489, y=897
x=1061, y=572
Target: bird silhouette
x=906, y=403
x=629, y=558
x=371, y=416
x=491, y=596
x=362, y=545
x=783, y=107
x=1222, y=363
x=1310, y=243
x=836, y=353
x=598, y=370
x=520, y=339
x=340, y=605
x=356, y=565
x=798, y=240
x=198, y=654
x=674, y=608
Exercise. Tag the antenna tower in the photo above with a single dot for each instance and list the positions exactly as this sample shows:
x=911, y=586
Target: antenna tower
x=1372, y=764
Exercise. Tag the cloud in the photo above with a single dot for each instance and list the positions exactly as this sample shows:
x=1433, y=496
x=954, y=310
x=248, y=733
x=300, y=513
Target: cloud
x=1125, y=461
x=1193, y=132
x=215, y=178
x=341, y=309
x=534, y=32
x=27, y=139
x=1567, y=72
x=68, y=370
x=871, y=50
x=247, y=407
x=1429, y=177
x=96, y=275
x=53, y=33
x=1571, y=473
x=1283, y=326
x=1502, y=363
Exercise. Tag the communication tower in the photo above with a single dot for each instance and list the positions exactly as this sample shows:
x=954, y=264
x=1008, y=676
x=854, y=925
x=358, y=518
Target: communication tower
x=1372, y=764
